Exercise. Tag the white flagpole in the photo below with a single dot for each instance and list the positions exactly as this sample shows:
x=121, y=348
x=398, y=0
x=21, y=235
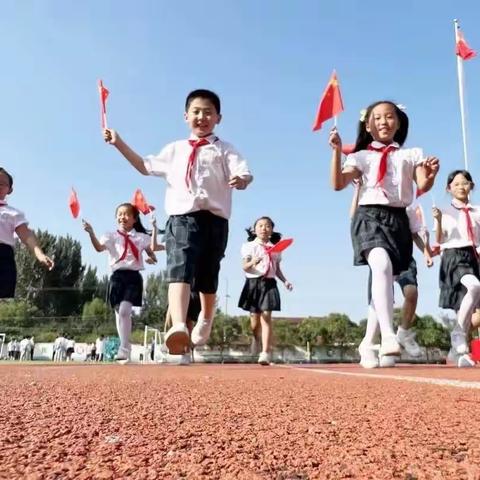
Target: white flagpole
x=461, y=93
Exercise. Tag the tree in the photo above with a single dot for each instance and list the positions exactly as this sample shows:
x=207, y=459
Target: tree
x=55, y=293
x=311, y=332
x=155, y=303
x=285, y=335
x=98, y=315
x=225, y=331
x=90, y=286
x=341, y=332
x=16, y=316
x=431, y=334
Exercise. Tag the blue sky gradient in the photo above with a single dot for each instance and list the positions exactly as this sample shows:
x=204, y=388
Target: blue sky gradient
x=269, y=61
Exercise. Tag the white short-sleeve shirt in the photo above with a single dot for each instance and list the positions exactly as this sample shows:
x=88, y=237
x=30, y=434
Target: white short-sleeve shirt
x=414, y=220
x=257, y=249
x=454, y=227
x=115, y=245
x=10, y=219
x=214, y=165
x=397, y=189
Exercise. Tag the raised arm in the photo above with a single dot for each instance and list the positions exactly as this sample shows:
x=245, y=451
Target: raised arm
x=113, y=138
x=154, y=245
x=99, y=247
x=28, y=238
x=339, y=178
x=426, y=172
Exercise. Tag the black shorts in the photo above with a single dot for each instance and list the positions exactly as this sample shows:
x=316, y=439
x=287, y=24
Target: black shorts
x=455, y=263
x=195, y=244
x=125, y=285
x=8, y=271
x=385, y=227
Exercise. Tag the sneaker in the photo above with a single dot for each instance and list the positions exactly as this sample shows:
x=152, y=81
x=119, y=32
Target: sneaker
x=406, y=338
x=201, y=332
x=465, y=361
x=368, y=356
x=177, y=340
x=386, y=361
x=123, y=355
x=389, y=346
x=184, y=359
x=452, y=357
x=459, y=340
x=264, y=358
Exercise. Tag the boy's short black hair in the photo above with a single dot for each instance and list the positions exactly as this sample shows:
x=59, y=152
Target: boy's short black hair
x=10, y=178
x=205, y=94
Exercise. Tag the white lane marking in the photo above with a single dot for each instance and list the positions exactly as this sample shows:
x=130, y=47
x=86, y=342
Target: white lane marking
x=444, y=382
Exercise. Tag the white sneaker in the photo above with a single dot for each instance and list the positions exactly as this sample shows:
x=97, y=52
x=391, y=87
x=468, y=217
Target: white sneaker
x=465, y=361
x=406, y=338
x=368, y=356
x=177, y=339
x=264, y=358
x=184, y=359
x=459, y=340
x=201, y=332
x=389, y=346
x=386, y=361
x=123, y=355
x=452, y=357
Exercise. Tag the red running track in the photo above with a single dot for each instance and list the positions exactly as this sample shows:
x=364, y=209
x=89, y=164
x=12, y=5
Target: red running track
x=238, y=422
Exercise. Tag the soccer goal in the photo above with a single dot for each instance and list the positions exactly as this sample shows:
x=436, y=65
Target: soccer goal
x=153, y=345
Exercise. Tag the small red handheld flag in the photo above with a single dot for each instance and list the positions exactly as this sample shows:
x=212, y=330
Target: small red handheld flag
x=348, y=149
x=462, y=48
x=281, y=245
x=141, y=203
x=74, y=204
x=331, y=103
x=103, y=92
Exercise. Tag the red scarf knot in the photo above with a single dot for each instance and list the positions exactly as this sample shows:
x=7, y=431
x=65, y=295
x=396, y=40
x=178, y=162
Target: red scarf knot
x=196, y=144
x=128, y=244
x=382, y=167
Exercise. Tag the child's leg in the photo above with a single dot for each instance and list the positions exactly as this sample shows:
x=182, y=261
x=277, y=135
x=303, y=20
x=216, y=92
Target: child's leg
x=256, y=331
x=123, y=318
x=470, y=300
x=178, y=298
x=410, y=293
x=266, y=322
x=372, y=327
x=382, y=297
x=201, y=331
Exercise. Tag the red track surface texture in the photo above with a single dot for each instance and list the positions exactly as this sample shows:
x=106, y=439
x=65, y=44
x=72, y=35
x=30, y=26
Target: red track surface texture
x=236, y=422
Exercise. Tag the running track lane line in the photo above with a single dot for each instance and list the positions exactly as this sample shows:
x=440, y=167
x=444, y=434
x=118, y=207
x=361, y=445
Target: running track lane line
x=443, y=382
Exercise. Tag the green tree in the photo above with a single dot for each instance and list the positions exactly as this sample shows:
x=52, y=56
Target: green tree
x=155, y=303
x=97, y=316
x=16, y=316
x=431, y=334
x=311, y=332
x=225, y=331
x=90, y=285
x=285, y=335
x=341, y=332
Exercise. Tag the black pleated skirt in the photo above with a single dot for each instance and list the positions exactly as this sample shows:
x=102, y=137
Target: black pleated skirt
x=125, y=285
x=8, y=271
x=385, y=227
x=455, y=263
x=260, y=295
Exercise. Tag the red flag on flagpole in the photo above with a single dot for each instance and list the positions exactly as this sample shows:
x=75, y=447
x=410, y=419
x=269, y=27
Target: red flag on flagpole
x=74, y=204
x=103, y=92
x=331, y=103
x=141, y=203
x=462, y=48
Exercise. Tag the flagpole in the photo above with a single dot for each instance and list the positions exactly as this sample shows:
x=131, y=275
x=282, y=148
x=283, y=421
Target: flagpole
x=461, y=93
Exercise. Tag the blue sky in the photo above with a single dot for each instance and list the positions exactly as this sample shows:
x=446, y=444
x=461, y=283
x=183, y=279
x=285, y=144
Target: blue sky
x=269, y=61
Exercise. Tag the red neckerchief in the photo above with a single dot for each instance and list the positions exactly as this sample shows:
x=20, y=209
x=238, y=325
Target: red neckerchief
x=128, y=243
x=470, y=231
x=382, y=167
x=196, y=144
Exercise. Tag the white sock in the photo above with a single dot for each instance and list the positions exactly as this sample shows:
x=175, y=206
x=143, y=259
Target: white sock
x=382, y=289
x=469, y=302
x=123, y=319
x=372, y=327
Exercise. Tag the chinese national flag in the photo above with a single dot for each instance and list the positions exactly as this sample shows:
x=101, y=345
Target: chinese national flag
x=141, y=203
x=462, y=49
x=331, y=103
x=103, y=92
x=74, y=204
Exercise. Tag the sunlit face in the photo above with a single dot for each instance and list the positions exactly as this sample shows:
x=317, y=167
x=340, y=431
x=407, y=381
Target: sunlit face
x=263, y=229
x=202, y=117
x=460, y=188
x=125, y=218
x=383, y=123
x=5, y=187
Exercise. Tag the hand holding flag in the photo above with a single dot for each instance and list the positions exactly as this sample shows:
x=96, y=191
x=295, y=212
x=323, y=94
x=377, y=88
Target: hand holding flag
x=141, y=203
x=331, y=103
x=103, y=92
x=74, y=204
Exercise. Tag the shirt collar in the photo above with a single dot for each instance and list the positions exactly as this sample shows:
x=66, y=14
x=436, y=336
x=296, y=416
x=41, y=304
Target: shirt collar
x=212, y=138
x=376, y=144
x=459, y=205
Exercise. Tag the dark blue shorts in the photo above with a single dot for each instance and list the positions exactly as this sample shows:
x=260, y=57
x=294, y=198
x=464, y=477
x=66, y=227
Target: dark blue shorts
x=195, y=244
